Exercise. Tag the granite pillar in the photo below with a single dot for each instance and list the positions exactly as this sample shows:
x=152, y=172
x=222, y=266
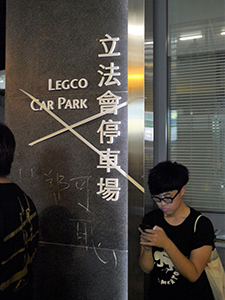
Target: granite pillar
x=66, y=102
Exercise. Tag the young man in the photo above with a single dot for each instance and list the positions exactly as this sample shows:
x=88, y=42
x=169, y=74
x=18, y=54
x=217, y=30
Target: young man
x=173, y=254
x=18, y=228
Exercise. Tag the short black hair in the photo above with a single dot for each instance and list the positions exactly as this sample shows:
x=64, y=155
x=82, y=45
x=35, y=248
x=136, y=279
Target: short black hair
x=7, y=149
x=167, y=176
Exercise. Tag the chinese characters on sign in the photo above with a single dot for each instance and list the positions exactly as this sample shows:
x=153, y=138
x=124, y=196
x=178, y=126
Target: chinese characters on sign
x=109, y=129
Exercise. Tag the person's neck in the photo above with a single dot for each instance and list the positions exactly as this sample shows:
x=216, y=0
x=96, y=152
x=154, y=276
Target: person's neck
x=4, y=179
x=179, y=215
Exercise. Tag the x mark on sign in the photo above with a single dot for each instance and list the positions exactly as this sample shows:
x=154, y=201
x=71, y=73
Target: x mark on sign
x=70, y=128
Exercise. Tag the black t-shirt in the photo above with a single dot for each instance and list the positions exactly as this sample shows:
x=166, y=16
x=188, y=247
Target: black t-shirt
x=18, y=240
x=165, y=280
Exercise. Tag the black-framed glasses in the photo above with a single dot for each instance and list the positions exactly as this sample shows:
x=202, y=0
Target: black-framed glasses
x=167, y=200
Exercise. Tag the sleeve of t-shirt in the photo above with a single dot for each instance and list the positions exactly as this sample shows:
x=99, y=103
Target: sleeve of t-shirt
x=204, y=235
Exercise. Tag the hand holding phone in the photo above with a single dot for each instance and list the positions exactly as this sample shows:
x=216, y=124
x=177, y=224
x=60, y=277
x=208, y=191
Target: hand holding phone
x=145, y=226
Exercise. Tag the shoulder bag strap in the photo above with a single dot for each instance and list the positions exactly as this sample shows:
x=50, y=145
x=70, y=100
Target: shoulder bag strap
x=196, y=221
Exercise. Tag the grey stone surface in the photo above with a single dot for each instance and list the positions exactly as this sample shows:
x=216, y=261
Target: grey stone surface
x=84, y=243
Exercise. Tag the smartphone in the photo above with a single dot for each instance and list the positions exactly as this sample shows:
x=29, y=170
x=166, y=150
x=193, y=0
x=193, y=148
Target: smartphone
x=145, y=226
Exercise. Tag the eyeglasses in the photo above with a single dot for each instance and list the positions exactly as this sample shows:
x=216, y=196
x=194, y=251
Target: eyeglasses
x=167, y=200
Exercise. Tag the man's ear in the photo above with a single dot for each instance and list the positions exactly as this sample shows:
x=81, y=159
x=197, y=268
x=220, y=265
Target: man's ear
x=183, y=190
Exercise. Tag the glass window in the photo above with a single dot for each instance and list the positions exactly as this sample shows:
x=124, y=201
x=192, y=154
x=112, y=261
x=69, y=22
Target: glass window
x=149, y=137
x=196, y=72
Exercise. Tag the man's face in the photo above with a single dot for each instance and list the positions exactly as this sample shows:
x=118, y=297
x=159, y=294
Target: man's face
x=169, y=201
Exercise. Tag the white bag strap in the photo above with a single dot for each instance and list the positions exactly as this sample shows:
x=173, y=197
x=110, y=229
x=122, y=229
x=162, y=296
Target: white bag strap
x=196, y=221
x=214, y=254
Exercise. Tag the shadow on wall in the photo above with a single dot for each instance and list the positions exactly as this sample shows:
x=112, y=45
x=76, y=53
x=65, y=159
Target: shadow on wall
x=65, y=269
x=56, y=268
